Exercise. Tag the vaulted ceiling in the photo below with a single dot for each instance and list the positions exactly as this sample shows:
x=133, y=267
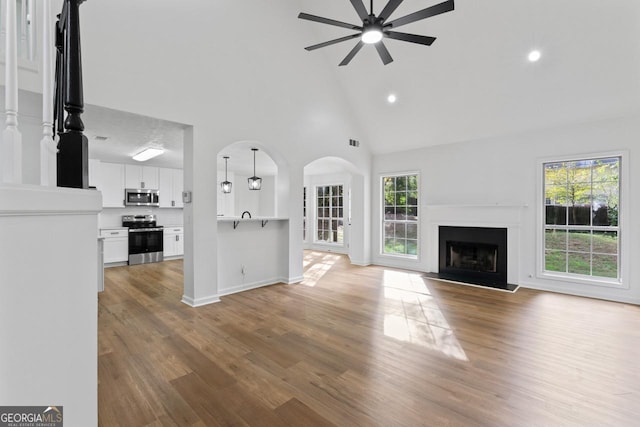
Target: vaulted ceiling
x=475, y=81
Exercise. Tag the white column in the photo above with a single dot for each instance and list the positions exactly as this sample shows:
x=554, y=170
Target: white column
x=47, y=144
x=11, y=149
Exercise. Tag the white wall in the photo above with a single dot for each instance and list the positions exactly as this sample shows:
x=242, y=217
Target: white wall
x=504, y=171
x=251, y=255
x=258, y=202
x=112, y=217
x=49, y=299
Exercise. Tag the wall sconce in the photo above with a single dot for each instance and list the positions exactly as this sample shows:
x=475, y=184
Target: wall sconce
x=254, y=182
x=226, y=184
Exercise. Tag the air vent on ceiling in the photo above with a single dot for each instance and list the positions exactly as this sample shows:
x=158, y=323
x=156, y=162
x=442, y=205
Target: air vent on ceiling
x=354, y=143
x=101, y=138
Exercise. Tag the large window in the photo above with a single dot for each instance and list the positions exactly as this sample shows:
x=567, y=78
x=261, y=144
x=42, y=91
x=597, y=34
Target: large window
x=400, y=220
x=330, y=208
x=582, y=201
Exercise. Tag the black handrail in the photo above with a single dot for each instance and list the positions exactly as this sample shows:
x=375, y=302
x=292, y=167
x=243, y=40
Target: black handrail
x=73, y=151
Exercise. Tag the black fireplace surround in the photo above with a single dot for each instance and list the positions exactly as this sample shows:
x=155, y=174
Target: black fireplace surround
x=475, y=255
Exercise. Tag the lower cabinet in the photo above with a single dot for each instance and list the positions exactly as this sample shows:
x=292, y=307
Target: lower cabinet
x=173, y=242
x=116, y=245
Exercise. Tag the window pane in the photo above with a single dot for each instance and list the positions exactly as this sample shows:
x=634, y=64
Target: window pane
x=389, y=229
x=401, y=183
x=412, y=213
x=401, y=230
x=412, y=198
x=579, y=171
x=412, y=247
x=580, y=241
x=401, y=214
x=389, y=213
x=555, y=239
x=389, y=245
x=412, y=182
x=555, y=215
x=555, y=174
x=579, y=263
x=555, y=261
x=389, y=184
x=412, y=231
x=605, y=265
x=605, y=242
x=555, y=194
x=401, y=198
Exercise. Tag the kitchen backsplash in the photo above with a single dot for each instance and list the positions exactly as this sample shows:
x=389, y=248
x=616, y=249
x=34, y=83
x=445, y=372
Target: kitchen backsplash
x=112, y=217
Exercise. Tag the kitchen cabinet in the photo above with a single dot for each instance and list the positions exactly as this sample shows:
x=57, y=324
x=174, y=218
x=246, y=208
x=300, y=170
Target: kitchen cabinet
x=137, y=176
x=173, y=241
x=111, y=184
x=116, y=245
x=171, y=185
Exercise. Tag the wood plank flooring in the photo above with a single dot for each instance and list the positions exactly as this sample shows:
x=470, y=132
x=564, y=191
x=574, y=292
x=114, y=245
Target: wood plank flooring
x=362, y=346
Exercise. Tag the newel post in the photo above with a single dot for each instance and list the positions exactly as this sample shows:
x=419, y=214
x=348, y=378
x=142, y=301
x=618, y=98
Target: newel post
x=73, y=148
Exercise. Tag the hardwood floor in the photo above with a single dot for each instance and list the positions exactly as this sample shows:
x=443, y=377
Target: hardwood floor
x=362, y=346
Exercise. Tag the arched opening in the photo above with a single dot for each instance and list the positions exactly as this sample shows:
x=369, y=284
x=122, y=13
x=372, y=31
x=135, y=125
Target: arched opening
x=253, y=226
x=335, y=208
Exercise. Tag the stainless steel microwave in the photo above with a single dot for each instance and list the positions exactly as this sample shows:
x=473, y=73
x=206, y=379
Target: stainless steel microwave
x=141, y=197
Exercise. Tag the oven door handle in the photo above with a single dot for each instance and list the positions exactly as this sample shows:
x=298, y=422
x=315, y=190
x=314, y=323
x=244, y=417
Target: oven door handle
x=142, y=230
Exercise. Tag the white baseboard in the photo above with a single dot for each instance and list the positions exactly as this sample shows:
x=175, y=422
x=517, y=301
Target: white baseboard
x=615, y=298
x=199, y=302
x=249, y=286
x=361, y=263
x=293, y=280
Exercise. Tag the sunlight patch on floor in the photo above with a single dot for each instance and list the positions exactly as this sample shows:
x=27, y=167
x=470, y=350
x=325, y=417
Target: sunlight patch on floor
x=412, y=315
x=316, y=265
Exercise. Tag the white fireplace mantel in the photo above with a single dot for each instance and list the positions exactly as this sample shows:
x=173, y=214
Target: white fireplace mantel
x=496, y=215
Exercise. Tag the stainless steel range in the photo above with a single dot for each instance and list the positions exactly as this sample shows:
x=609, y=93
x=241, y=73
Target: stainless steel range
x=145, y=238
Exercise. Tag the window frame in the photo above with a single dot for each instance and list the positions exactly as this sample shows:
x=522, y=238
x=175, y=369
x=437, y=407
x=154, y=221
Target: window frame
x=407, y=257
x=621, y=281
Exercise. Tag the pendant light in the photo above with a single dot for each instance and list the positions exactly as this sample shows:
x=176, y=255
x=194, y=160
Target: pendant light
x=226, y=184
x=254, y=182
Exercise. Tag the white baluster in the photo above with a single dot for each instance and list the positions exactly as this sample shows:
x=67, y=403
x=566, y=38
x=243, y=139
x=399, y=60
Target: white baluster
x=47, y=144
x=11, y=149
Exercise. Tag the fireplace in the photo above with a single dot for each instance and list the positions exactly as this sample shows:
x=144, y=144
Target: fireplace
x=475, y=255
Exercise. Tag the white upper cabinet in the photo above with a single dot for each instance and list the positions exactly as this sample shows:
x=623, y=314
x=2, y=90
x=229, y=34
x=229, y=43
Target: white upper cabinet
x=111, y=183
x=137, y=176
x=171, y=184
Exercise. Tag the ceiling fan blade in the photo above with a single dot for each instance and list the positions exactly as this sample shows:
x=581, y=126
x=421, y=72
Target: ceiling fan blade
x=413, y=38
x=443, y=7
x=322, y=20
x=330, y=42
x=362, y=11
x=384, y=53
x=351, y=54
x=389, y=9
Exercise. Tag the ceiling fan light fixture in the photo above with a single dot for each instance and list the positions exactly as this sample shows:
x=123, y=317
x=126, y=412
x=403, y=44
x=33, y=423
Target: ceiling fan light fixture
x=372, y=34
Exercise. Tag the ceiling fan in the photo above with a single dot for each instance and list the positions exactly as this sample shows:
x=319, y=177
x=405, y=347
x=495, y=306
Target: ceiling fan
x=374, y=28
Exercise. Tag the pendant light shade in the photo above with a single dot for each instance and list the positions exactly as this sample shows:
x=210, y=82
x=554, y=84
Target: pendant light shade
x=255, y=183
x=226, y=184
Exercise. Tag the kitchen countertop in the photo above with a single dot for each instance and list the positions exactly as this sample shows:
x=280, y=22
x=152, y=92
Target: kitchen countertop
x=256, y=218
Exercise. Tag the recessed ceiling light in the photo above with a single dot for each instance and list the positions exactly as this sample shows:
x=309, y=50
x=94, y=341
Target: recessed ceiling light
x=147, y=153
x=534, y=56
x=392, y=98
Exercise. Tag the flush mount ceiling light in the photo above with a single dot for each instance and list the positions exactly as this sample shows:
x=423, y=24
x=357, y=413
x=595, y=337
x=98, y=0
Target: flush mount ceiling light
x=148, y=153
x=255, y=183
x=226, y=184
x=534, y=56
x=374, y=28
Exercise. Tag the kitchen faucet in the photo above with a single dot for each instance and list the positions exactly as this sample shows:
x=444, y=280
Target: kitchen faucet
x=246, y=212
